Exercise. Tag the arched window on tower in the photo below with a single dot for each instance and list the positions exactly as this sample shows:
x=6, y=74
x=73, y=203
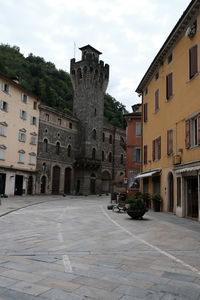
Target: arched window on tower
x=103, y=155
x=122, y=159
x=110, y=157
x=69, y=148
x=93, y=153
x=57, y=148
x=45, y=145
x=94, y=134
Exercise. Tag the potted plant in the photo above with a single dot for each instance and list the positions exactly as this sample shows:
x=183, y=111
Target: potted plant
x=156, y=199
x=137, y=207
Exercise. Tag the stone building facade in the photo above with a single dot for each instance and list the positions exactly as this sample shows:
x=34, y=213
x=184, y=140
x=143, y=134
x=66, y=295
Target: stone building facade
x=79, y=154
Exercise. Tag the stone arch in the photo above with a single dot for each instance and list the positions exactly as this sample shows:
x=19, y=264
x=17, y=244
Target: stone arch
x=170, y=191
x=55, y=180
x=93, y=184
x=43, y=184
x=68, y=179
x=106, y=181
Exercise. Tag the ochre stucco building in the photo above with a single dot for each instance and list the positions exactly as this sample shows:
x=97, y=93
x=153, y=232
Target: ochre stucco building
x=170, y=92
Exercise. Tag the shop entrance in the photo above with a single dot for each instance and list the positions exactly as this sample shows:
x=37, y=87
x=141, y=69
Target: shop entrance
x=192, y=197
x=170, y=192
x=18, y=185
x=2, y=183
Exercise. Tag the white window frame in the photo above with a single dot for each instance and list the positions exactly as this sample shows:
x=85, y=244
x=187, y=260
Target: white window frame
x=32, y=160
x=22, y=137
x=23, y=114
x=4, y=105
x=2, y=130
x=6, y=87
x=21, y=158
x=33, y=140
x=24, y=98
x=34, y=121
x=2, y=154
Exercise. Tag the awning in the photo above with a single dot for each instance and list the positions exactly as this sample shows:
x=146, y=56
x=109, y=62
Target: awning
x=188, y=169
x=148, y=174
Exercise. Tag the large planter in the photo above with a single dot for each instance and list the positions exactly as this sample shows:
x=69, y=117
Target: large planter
x=137, y=214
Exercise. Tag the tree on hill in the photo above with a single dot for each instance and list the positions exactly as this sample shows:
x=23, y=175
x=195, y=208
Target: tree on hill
x=51, y=85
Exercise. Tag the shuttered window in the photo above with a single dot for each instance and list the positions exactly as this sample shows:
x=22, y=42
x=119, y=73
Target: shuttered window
x=145, y=154
x=145, y=112
x=156, y=149
x=193, y=61
x=156, y=100
x=169, y=86
x=170, y=142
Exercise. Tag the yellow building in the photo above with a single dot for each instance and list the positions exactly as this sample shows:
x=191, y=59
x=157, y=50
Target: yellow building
x=170, y=92
x=19, y=118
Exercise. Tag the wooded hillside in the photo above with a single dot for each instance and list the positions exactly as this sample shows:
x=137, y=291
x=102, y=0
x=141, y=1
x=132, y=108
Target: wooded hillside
x=51, y=85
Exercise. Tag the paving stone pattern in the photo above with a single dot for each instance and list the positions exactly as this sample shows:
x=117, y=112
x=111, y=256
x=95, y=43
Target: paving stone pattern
x=73, y=248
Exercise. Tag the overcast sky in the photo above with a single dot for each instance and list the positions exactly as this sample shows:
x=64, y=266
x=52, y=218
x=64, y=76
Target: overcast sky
x=128, y=32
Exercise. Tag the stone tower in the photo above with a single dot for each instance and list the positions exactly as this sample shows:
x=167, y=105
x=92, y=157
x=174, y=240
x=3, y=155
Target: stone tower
x=90, y=79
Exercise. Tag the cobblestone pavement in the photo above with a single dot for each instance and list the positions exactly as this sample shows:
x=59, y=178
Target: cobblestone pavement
x=73, y=248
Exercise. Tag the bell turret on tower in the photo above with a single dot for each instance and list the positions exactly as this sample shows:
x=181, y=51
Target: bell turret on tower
x=89, y=79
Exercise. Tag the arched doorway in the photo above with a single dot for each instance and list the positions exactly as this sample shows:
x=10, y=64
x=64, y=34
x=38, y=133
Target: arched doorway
x=56, y=180
x=30, y=185
x=170, y=192
x=93, y=184
x=106, y=179
x=43, y=185
x=67, y=184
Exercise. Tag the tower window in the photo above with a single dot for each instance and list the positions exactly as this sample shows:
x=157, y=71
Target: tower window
x=45, y=145
x=57, y=148
x=69, y=148
x=110, y=157
x=103, y=155
x=110, y=139
x=93, y=153
x=95, y=112
x=94, y=134
x=70, y=125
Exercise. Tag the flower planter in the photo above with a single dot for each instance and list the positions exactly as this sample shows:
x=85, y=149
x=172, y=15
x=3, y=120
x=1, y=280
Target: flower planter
x=136, y=214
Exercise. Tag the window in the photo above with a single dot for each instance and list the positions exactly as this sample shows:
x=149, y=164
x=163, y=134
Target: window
x=34, y=121
x=103, y=155
x=21, y=158
x=34, y=105
x=57, y=148
x=59, y=121
x=192, y=132
x=45, y=145
x=138, y=129
x=193, y=61
x=156, y=153
x=32, y=159
x=70, y=125
x=22, y=137
x=24, y=98
x=93, y=153
x=178, y=191
x=169, y=142
x=23, y=114
x=94, y=134
x=145, y=155
x=157, y=76
x=33, y=140
x=110, y=139
x=95, y=112
x=169, y=59
x=121, y=159
x=69, y=148
x=110, y=157
x=2, y=130
x=145, y=107
x=137, y=155
x=103, y=136
x=6, y=87
x=2, y=154
x=46, y=117
x=169, y=86
x=4, y=105
x=156, y=99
